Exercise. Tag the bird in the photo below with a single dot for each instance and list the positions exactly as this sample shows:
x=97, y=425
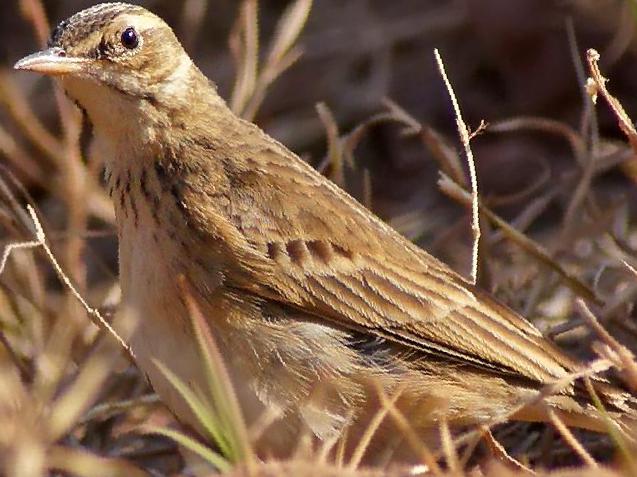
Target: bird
x=315, y=303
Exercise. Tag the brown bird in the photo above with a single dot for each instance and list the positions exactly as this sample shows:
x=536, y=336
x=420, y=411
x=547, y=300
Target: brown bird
x=313, y=300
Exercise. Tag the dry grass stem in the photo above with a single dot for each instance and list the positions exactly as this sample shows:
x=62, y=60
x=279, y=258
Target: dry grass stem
x=28, y=122
x=109, y=409
x=77, y=462
x=465, y=138
x=447, y=157
x=40, y=241
x=252, y=82
x=626, y=359
x=448, y=447
x=33, y=11
x=334, y=157
x=413, y=440
x=501, y=454
x=618, y=434
x=571, y=440
x=244, y=44
x=546, y=125
x=370, y=430
x=597, y=85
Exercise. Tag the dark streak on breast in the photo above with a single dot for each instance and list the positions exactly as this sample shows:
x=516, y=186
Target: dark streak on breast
x=160, y=170
x=154, y=208
x=133, y=206
x=127, y=186
x=122, y=203
x=142, y=184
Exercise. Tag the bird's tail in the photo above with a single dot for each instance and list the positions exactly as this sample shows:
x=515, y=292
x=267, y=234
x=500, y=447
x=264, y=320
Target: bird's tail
x=597, y=406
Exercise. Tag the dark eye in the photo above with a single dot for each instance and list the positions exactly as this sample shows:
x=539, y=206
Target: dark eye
x=130, y=39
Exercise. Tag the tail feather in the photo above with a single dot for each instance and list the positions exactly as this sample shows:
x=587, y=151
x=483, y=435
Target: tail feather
x=577, y=408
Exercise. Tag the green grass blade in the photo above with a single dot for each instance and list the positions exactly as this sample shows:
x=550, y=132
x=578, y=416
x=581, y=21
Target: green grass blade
x=192, y=445
x=204, y=412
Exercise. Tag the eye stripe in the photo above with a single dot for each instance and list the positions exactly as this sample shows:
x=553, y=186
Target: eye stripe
x=102, y=49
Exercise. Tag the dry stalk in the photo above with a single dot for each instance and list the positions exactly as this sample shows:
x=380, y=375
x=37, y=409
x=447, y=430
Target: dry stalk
x=251, y=83
x=545, y=125
x=626, y=359
x=501, y=454
x=372, y=428
x=415, y=442
x=446, y=155
x=334, y=147
x=448, y=447
x=244, y=44
x=465, y=138
x=571, y=440
x=596, y=84
x=33, y=11
x=40, y=241
x=593, y=368
x=28, y=122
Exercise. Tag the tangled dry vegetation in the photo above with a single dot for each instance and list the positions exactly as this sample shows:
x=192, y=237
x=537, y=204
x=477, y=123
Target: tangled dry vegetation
x=557, y=187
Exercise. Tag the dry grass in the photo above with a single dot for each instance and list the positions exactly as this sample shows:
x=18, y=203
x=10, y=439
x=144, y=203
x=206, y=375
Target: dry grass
x=71, y=399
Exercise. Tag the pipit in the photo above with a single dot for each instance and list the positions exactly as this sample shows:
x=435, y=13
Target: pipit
x=314, y=301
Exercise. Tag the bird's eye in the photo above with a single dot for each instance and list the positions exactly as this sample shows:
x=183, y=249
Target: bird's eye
x=130, y=39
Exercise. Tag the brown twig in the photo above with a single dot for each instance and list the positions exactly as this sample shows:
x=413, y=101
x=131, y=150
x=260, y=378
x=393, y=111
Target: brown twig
x=571, y=440
x=501, y=454
x=597, y=85
x=626, y=359
x=414, y=441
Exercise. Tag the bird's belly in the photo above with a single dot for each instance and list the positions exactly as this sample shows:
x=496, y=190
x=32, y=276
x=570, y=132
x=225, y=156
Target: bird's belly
x=162, y=334
x=148, y=275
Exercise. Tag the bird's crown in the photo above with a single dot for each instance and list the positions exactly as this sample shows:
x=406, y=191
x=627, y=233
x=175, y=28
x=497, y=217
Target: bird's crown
x=89, y=22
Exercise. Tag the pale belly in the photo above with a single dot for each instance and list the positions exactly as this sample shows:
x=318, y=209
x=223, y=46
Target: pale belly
x=164, y=333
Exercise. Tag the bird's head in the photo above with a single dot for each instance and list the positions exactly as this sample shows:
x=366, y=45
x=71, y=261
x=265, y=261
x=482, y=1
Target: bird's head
x=117, y=56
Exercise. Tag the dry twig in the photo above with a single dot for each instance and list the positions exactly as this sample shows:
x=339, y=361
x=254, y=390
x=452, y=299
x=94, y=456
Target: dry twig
x=465, y=138
x=40, y=241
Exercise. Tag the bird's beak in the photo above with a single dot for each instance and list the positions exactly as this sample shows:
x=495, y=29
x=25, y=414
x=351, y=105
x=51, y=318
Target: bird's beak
x=53, y=62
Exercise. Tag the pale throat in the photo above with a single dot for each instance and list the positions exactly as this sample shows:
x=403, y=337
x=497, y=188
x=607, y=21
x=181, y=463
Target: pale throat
x=131, y=121
x=116, y=118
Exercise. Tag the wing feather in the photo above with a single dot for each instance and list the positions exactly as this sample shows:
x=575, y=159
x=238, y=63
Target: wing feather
x=325, y=254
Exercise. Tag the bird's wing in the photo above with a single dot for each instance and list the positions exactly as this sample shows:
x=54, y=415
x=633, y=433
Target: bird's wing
x=327, y=255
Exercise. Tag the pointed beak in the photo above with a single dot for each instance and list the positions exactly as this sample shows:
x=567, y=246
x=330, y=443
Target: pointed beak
x=53, y=62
